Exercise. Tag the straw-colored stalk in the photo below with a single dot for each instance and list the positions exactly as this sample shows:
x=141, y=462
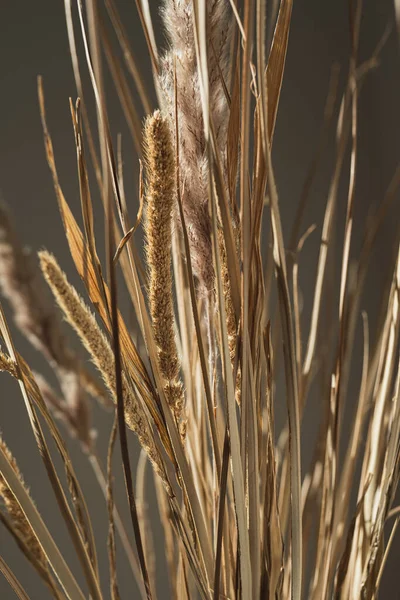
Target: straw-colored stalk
x=231, y=324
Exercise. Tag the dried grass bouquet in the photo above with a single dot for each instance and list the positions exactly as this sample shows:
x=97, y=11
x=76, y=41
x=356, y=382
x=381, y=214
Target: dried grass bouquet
x=215, y=291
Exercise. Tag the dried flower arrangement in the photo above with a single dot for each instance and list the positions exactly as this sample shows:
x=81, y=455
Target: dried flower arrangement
x=197, y=381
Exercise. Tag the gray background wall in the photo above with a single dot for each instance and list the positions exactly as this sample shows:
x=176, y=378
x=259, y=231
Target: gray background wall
x=33, y=41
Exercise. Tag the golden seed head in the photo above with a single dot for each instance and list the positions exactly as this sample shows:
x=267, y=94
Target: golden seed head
x=160, y=196
x=83, y=321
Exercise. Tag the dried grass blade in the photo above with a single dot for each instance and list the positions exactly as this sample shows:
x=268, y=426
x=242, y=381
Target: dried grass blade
x=283, y=289
x=342, y=570
x=144, y=518
x=313, y=168
x=296, y=299
x=291, y=381
x=125, y=239
x=86, y=200
x=253, y=481
x=12, y=580
x=120, y=400
x=112, y=559
x=143, y=9
x=92, y=41
x=276, y=62
x=378, y=429
x=245, y=208
x=385, y=556
x=238, y=19
x=102, y=182
x=129, y=58
x=131, y=556
x=34, y=392
x=85, y=196
x=79, y=87
x=324, y=544
x=237, y=472
x=232, y=150
x=122, y=88
x=187, y=542
x=170, y=551
x=342, y=136
x=356, y=76
x=221, y=515
x=353, y=449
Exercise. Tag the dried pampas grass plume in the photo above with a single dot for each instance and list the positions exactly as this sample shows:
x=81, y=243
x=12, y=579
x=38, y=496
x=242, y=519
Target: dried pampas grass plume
x=83, y=321
x=160, y=196
x=181, y=58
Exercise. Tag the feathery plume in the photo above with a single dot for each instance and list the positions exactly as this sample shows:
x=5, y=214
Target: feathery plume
x=178, y=19
x=84, y=323
x=160, y=190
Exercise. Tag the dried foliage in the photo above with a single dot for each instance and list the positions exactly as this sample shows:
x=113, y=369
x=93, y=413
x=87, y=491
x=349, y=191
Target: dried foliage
x=198, y=379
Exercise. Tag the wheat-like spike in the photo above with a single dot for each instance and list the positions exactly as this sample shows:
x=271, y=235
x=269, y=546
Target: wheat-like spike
x=19, y=522
x=83, y=321
x=160, y=196
x=22, y=284
x=178, y=20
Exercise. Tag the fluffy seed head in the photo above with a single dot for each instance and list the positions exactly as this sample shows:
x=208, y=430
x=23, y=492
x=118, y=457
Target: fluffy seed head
x=160, y=197
x=83, y=321
x=181, y=59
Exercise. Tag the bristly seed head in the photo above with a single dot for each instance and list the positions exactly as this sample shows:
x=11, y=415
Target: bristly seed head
x=83, y=321
x=160, y=198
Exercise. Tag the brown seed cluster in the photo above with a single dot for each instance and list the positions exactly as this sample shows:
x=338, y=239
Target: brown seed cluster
x=160, y=196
